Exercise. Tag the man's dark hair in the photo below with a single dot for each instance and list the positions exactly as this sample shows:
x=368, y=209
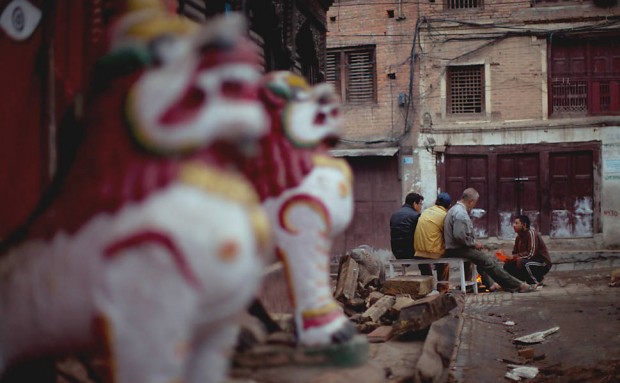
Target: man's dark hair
x=524, y=220
x=443, y=199
x=413, y=197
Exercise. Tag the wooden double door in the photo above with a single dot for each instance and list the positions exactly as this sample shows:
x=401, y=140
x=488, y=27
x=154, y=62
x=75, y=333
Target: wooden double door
x=556, y=186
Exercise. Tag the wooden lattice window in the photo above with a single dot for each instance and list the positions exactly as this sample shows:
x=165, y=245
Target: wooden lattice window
x=465, y=89
x=558, y=1
x=352, y=72
x=585, y=76
x=463, y=4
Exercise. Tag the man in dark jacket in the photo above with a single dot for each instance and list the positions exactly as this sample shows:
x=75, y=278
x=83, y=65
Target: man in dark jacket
x=402, y=226
x=530, y=260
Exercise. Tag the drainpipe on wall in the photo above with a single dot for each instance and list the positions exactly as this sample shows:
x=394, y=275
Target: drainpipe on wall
x=400, y=11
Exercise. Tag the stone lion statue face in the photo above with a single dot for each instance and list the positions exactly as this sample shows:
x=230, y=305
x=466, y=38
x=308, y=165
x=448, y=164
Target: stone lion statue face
x=198, y=83
x=310, y=115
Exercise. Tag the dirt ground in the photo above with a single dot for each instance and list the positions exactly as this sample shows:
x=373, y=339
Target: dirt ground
x=586, y=348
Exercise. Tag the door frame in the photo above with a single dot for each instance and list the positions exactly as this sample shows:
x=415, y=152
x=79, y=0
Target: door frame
x=544, y=151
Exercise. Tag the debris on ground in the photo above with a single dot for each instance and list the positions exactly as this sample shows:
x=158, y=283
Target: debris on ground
x=518, y=372
x=404, y=303
x=536, y=337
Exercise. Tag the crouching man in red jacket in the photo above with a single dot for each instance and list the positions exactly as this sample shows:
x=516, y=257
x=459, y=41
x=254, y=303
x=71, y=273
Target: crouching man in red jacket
x=530, y=260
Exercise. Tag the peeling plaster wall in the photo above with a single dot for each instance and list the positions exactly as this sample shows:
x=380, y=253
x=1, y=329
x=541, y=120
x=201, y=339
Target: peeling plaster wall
x=427, y=180
x=610, y=201
x=610, y=174
x=409, y=173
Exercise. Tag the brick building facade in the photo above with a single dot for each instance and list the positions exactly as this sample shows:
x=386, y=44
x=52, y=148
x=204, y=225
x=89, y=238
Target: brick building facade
x=518, y=99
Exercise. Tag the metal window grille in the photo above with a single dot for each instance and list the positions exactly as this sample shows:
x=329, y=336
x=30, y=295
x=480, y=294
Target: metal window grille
x=569, y=95
x=463, y=4
x=466, y=89
x=605, y=96
x=352, y=72
x=560, y=1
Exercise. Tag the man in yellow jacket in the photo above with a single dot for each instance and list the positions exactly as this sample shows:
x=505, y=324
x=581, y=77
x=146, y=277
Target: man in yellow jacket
x=428, y=239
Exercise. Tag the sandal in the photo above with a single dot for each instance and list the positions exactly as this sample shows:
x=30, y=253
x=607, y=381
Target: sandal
x=527, y=288
x=495, y=287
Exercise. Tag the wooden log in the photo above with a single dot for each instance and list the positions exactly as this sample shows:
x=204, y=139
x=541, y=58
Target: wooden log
x=402, y=301
x=347, y=280
x=417, y=286
x=374, y=297
x=376, y=311
x=423, y=313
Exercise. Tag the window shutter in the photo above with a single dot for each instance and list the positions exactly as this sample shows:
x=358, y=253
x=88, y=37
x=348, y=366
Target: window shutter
x=332, y=71
x=360, y=81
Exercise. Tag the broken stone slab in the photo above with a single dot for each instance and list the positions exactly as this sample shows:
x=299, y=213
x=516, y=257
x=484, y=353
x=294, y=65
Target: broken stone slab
x=380, y=334
x=439, y=345
x=372, y=269
x=518, y=372
x=376, y=311
x=366, y=278
x=423, y=313
x=536, y=337
x=417, y=286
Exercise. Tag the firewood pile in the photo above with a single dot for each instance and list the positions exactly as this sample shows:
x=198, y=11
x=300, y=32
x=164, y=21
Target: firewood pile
x=403, y=303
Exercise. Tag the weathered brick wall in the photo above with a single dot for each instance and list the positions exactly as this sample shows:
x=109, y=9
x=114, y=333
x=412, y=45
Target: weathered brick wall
x=510, y=40
x=352, y=23
x=516, y=65
x=514, y=80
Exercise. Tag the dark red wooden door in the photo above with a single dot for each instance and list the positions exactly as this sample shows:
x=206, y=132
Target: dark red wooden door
x=571, y=194
x=470, y=172
x=555, y=185
x=40, y=75
x=377, y=194
x=23, y=146
x=518, y=191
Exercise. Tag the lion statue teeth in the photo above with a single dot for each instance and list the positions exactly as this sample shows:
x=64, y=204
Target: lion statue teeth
x=150, y=250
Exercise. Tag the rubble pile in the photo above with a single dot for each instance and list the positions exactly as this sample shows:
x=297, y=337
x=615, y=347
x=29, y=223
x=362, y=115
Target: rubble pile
x=383, y=308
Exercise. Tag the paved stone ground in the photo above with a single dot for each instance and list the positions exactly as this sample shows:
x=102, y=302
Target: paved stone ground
x=585, y=349
x=473, y=344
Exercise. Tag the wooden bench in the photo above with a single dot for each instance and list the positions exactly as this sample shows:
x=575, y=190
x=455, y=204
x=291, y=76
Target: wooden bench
x=453, y=262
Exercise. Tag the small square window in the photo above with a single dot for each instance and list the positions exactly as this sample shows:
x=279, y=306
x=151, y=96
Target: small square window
x=463, y=4
x=466, y=89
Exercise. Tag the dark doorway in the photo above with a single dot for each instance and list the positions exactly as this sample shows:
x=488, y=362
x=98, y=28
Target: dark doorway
x=470, y=171
x=377, y=194
x=518, y=191
x=571, y=194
